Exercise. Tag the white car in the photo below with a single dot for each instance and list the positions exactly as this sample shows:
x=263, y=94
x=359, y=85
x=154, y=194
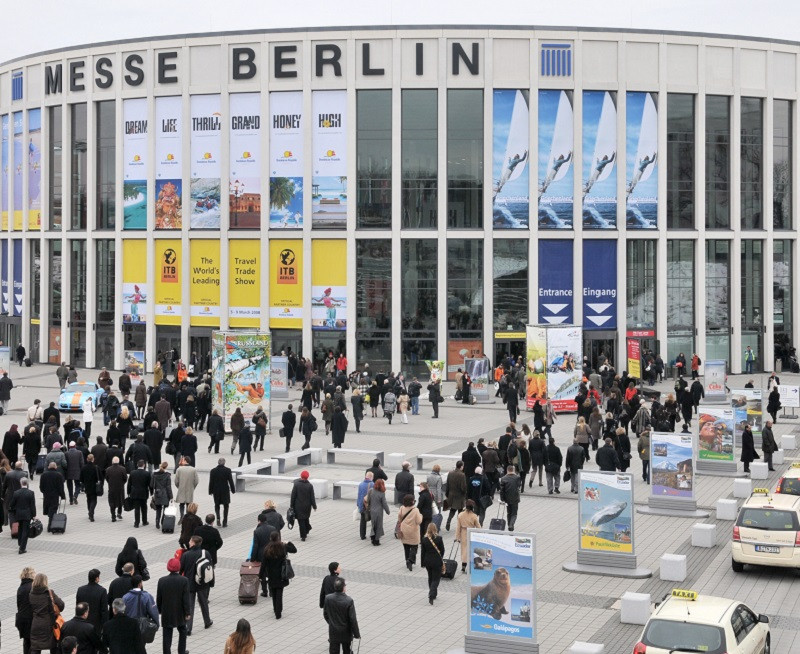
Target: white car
x=789, y=483
x=688, y=622
x=767, y=531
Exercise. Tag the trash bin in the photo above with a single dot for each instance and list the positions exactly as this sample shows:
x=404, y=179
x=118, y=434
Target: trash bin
x=674, y=373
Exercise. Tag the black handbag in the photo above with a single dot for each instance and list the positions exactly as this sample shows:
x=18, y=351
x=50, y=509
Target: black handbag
x=290, y=518
x=127, y=504
x=98, y=489
x=485, y=501
x=170, y=449
x=567, y=475
x=287, y=571
x=147, y=626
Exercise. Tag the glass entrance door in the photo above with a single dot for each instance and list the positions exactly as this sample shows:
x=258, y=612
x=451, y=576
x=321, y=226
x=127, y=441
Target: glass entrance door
x=599, y=346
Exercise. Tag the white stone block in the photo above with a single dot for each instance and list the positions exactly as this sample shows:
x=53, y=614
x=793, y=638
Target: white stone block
x=704, y=535
x=758, y=470
x=789, y=442
x=673, y=567
x=635, y=608
x=727, y=509
x=579, y=647
x=742, y=488
x=777, y=457
x=394, y=460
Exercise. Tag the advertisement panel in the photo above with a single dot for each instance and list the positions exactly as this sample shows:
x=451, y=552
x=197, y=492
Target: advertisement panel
x=54, y=345
x=564, y=372
x=641, y=146
x=605, y=509
x=204, y=276
x=18, y=165
x=329, y=147
x=5, y=359
x=135, y=164
x=133, y=364
x=285, y=284
x=206, y=158
x=716, y=437
x=241, y=371
x=510, y=160
x=4, y=277
x=168, y=281
x=478, y=370
x=17, y=277
x=747, y=410
x=4, y=198
x=135, y=289
x=502, y=578
x=244, y=283
x=790, y=396
x=599, y=284
x=436, y=369
x=459, y=349
x=286, y=160
x=633, y=347
x=169, y=163
x=599, y=160
x=244, y=183
x=536, y=356
x=671, y=465
x=329, y=284
x=714, y=380
x=556, y=144
x=34, y=169
x=279, y=377
x=555, y=282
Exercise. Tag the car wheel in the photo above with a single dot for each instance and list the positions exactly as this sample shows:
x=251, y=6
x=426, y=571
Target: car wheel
x=736, y=566
x=767, y=648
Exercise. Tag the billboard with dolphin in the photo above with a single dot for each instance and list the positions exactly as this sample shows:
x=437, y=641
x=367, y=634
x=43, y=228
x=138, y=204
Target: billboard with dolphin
x=605, y=512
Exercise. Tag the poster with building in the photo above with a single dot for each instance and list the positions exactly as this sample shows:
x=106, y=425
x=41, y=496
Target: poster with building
x=510, y=159
x=599, y=160
x=244, y=179
x=556, y=176
x=672, y=465
x=605, y=512
x=641, y=165
x=716, y=434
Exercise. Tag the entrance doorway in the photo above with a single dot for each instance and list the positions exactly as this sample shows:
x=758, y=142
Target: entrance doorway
x=598, y=345
x=504, y=349
x=200, y=344
x=168, y=346
x=287, y=340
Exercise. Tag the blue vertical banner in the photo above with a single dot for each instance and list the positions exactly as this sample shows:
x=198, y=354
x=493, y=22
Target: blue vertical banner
x=555, y=282
x=4, y=277
x=599, y=284
x=17, y=277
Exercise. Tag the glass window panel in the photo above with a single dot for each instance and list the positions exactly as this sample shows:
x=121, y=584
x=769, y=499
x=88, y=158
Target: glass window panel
x=465, y=158
x=641, y=276
x=782, y=299
x=510, y=283
x=680, y=298
x=717, y=282
x=374, y=158
x=419, y=150
x=35, y=279
x=718, y=162
x=78, y=150
x=419, y=292
x=782, y=165
x=752, y=153
x=465, y=288
x=55, y=173
x=680, y=161
x=106, y=164
x=374, y=303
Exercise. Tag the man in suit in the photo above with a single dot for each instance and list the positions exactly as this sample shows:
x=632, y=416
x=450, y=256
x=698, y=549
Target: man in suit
x=116, y=476
x=23, y=506
x=83, y=630
x=288, y=420
x=12, y=482
x=212, y=541
x=154, y=439
x=164, y=412
x=139, y=491
x=174, y=605
x=220, y=486
x=121, y=585
x=96, y=599
x=52, y=412
x=121, y=634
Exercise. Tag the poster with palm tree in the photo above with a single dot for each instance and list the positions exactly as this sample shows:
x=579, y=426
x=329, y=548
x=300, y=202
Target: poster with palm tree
x=286, y=202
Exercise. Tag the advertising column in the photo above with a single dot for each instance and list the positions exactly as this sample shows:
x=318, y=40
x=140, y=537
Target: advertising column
x=168, y=281
x=714, y=381
x=279, y=377
x=285, y=284
x=135, y=289
x=35, y=169
x=244, y=283
x=536, y=366
x=747, y=411
x=672, y=480
x=555, y=282
x=564, y=369
x=204, y=277
x=715, y=448
x=286, y=160
x=329, y=145
x=244, y=183
x=241, y=372
x=328, y=284
x=169, y=168
x=206, y=157
x=135, y=164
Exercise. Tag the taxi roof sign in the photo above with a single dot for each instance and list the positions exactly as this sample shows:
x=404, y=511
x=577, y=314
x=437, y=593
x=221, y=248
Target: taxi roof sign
x=796, y=464
x=684, y=594
x=761, y=491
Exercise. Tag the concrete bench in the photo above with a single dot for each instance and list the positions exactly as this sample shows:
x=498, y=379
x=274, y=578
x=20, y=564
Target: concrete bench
x=436, y=457
x=777, y=457
x=789, y=442
x=373, y=454
x=635, y=608
x=299, y=458
x=727, y=509
x=742, y=488
x=704, y=535
x=394, y=460
x=759, y=470
x=320, y=485
x=260, y=468
x=339, y=485
x=673, y=567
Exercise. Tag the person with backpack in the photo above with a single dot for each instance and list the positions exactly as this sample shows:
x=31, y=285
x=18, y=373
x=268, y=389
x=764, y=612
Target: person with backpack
x=260, y=422
x=196, y=565
x=276, y=568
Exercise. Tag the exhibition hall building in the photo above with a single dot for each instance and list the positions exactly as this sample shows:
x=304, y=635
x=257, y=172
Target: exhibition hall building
x=402, y=194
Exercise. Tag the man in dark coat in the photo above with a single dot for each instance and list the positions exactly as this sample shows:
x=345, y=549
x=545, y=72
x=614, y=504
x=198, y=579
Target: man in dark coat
x=116, y=476
x=768, y=444
x=403, y=483
x=288, y=420
x=188, y=447
x=139, y=491
x=576, y=455
x=471, y=458
x=99, y=451
x=121, y=634
x=5, y=391
x=261, y=536
x=96, y=598
x=607, y=458
x=154, y=439
x=328, y=582
x=302, y=501
x=174, y=605
x=51, y=486
x=164, y=412
x=509, y=493
x=138, y=451
x=197, y=592
x=216, y=430
x=339, y=612
x=118, y=588
x=220, y=486
x=83, y=630
x=377, y=471
x=435, y=396
x=212, y=541
x=749, y=453
x=90, y=477
x=124, y=384
x=23, y=506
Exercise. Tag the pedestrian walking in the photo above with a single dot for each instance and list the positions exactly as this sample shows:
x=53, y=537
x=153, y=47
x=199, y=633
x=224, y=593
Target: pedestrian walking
x=403, y=483
x=773, y=404
x=335, y=570
x=288, y=420
x=552, y=466
x=240, y=641
x=389, y=405
x=44, y=601
x=186, y=480
x=259, y=421
x=302, y=502
x=61, y=374
x=221, y=487
x=5, y=392
x=466, y=520
x=749, y=453
x=190, y=521
x=536, y=447
x=339, y=612
x=139, y=493
x=576, y=455
x=436, y=485
x=606, y=457
x=456, y=491
x=132, y=554
x=339, y=426
x=161, y=490
x=216, y=431
x=121, y=634
x=768, y=444
x=377, y=506
x=509, y=494
x=425, y=505
x=175, y=606
x=308, y=425
x=409, y=518
x=95, y=596
x=432, y=559
x=196, y=565
x=116, y=476
x=274, y=569
x=237, y=424
x=361, y=503
x=24, y=615
x=643, y=447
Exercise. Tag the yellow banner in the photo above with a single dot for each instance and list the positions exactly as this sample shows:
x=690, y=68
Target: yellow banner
x=34, y=219
x=168, y=257
x=329, y=284
x=204, y=278
x=135, y=289
x=17, y=220
x=286, y=284
x=244, y=283
x=4, y=224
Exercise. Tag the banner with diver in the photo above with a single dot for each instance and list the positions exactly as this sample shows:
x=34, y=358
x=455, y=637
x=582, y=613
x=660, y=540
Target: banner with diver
x=510, y=159
x=641, y=144
x=556, y=145
x=605, y=510
x=599, y=186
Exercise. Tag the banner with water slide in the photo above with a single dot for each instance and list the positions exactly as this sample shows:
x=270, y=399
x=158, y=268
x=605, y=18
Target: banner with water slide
x=553, y=356
x=510, y=159
x=641, y=143
x=599, y=160
x=556, y=145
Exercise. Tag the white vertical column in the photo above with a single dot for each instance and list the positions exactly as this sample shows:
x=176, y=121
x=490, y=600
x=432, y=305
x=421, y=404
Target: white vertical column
x=793, y=255
x=308, y=169
x=44, y=251
x=66, y=222
x=533, y=188
x=700, y=215
x=441, y=223
x=736, y=363
x=186, y=301
x=488, y=220
x=225, y=219
x=119, y=162
x=90, y=305
x=767, y=355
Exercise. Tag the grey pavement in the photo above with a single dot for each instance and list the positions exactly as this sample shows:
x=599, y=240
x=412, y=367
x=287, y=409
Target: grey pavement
x=388, y=598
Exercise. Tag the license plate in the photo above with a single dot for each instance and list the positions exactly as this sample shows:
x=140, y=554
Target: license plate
x=768, y=549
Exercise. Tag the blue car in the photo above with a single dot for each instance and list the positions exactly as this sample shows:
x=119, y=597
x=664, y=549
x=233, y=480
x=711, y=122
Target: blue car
x=75, y=394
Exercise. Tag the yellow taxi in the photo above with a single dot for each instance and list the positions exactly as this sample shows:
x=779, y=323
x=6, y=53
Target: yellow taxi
x=789, y=483
x=688, y=622
x=767, y=531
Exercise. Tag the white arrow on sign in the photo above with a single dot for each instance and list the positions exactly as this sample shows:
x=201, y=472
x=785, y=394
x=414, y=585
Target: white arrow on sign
x=18, y=308
x=18, y=297
x=598, y=308
x=599, y=320
x=555, y=320
x=555, y=308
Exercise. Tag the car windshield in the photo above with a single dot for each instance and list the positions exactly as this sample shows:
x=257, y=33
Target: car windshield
x=685, y=636
x=78, y=387
x=790, y=486
x=768, y=519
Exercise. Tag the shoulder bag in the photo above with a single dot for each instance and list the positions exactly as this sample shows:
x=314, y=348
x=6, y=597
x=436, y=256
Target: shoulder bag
x=398, y=528
x=147, y=626
x=287, y=571
x=441, y=554
x=58, y=620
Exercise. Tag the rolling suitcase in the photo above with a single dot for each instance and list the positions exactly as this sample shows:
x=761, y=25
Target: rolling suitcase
x=28, y=362
x=58, y=525
x=40, y=462
x=498, y=523
x=168, y=519
x=437, y=520
x=249, y=583
x=450, y=564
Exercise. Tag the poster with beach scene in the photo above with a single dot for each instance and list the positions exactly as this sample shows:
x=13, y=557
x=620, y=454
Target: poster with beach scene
x=671, y=465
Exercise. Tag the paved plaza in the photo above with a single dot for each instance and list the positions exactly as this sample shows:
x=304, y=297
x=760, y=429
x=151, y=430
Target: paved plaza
x=391, y=602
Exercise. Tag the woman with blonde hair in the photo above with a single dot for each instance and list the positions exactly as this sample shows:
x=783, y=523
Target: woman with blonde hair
x=583, y=434
x=24, y=615
x=189, y=523
x=433, y=559
x=466, y=520
x=124, y=423
x=241, y=641
x=46, y=607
